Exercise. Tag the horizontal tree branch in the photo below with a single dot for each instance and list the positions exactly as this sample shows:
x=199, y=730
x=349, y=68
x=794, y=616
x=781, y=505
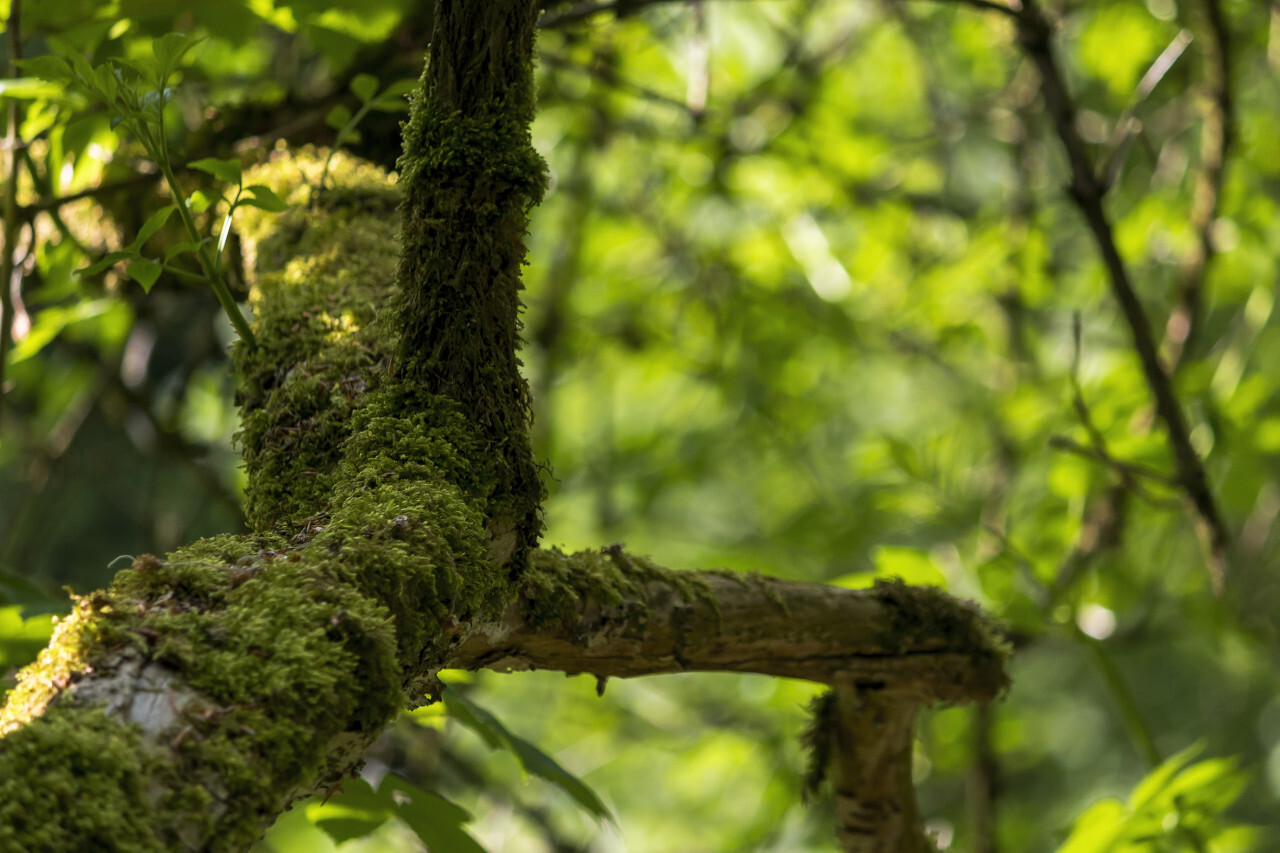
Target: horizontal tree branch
x=916, y=643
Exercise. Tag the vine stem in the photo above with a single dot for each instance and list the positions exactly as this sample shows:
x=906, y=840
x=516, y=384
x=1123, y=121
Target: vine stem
x=211, y=270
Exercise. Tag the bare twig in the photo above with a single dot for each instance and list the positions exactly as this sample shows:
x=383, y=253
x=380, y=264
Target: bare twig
x=983, y=782
x=579, y=12
x=1128, y=126
x=609, y=76
x=987, y=6
x=27, y=211
x=1087, y=190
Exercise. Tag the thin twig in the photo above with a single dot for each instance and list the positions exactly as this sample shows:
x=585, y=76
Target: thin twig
x=1087, y=190
x=1128, y=126
x=11, y=221
x=1129, y=472
x=609, y=76
x=1126, y=702
x=27, y=211
x=1216, y=141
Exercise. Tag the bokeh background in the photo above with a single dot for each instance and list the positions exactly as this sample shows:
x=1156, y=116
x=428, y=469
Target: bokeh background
x=808, y=297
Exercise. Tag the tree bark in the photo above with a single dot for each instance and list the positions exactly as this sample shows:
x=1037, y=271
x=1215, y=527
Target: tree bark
x=395, y=505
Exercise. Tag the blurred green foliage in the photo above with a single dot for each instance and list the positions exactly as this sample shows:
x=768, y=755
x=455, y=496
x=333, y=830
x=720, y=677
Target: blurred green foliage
x=801, y=300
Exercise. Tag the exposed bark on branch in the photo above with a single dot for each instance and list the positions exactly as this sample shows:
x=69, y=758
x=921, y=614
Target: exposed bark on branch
x=619, y=615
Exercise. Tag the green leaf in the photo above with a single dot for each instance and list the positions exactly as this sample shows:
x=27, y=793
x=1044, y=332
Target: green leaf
x=144, y=272
x=180, y=249
x=201, y=200
x=434, y=819
x=357, y=811
x=30, y=88
x=107, y=82
x=80, y=68
x=51, y=321
x=21, y=639
x=107, y=260
x=365, y=87
x=51, y=68
x=401, y=88
x=169, y=50
x=1158, y=779
x=477, y=719
x=227, y=170
x=532, y=759
x=539, y=763
x=338, y=117
x=264, y=198
x=145, y=68
x=153, y=224
x=394, y=98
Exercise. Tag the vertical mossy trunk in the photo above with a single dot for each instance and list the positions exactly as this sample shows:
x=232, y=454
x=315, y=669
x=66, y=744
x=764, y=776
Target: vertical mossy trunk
x=470, y=175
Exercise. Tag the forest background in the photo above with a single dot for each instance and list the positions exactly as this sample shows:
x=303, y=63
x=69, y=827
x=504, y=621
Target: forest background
x=816, y=291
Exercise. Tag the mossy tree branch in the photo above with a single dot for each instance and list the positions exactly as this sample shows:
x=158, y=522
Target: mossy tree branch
x=470, y=175
x=395, y=508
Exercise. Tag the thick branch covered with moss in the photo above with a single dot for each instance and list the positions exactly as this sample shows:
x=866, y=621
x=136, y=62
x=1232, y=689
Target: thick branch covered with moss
x=614, y=614
x=470, y=175
x=395, y=508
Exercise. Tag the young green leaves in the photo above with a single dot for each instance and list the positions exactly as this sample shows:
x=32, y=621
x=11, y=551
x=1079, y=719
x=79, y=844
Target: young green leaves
x=365, y=87
x=135, y=92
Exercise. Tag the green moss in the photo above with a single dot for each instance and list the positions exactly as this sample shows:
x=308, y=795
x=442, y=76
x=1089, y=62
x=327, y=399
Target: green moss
x=470, y=174
x=93, y=775
x=297, y=643
x=557, y=585
x=819, y=740
x=925, y=615
x=59, y=663
x=323, y=270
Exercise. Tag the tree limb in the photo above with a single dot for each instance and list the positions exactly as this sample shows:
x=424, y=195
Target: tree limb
x=620, y=615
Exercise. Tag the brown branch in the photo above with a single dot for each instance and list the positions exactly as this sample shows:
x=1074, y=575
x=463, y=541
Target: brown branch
x=887, y=651
x=876, y=809
x=1087, y=190
x=915, y=643
x=53, y=203
x=983, y=782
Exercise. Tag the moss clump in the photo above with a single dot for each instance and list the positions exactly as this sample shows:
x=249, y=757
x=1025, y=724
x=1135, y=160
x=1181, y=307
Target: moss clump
x=323, y=270
x=93, y=776
x=59, y=664
x=922, y=616
x=292, y=650
x=557, y=585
